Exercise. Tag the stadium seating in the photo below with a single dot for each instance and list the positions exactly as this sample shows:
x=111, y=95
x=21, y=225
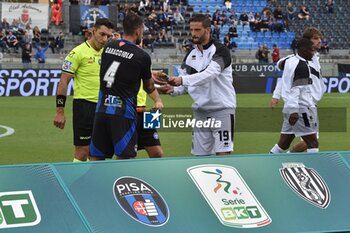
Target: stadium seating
x=247, y=39
x=334, y=26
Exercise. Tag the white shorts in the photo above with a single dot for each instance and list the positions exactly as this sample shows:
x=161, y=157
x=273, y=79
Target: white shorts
x=212, y=140
x=307, y=123
x=317, y=127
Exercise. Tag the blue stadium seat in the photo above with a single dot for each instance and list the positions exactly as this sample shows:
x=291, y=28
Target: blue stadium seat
x=246, y=45
x=235, y=39
x=252, y=34
x=269, y=45
x=260, y=40
x=225, y=27
x=246, y=28
x=283, y=35
x=267, y=34
x=238, y=43
x=291, y=34
x=263, y=3
x=275, y=34
x=266, y=40
x=255, y=45
x=244, y=34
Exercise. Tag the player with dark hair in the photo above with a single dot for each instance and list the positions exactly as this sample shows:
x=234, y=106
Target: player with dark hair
x=83, y=62
x=124, y=65
x=147, y=139
x=318, y=87
x=206, y=75
x=299, y=117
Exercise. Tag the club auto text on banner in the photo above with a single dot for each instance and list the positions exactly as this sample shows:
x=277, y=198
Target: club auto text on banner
x=31, y=82
x=34, y=14
x=262, y=78
x=255, y=70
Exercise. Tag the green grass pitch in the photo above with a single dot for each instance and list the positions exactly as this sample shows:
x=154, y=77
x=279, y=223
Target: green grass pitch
x=36, y=140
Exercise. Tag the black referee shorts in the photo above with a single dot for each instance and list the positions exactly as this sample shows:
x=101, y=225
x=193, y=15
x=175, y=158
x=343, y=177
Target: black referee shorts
x=83, y=121
x=145, y=137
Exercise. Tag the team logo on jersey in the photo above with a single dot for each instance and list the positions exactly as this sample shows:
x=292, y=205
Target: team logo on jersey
x=141, y=201
x=229, y=196
x=155, y=136
x=67, y=65
x=307, y=183
x=151, y=120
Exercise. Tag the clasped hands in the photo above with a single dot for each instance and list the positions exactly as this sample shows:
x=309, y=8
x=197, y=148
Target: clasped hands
x=166, y=83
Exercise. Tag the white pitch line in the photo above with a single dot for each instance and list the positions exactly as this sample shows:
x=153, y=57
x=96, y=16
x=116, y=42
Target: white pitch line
x=8, y=132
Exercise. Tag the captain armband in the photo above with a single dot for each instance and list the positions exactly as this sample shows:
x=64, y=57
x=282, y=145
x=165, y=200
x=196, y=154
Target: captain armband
x=61, y=100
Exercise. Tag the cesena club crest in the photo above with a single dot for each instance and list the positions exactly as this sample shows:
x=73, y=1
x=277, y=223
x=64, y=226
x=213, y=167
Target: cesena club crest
x=229, y=196
x=307, y=183
x=141, y=201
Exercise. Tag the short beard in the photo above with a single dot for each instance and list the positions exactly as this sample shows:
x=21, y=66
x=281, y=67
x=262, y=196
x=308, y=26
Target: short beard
x=198, y=41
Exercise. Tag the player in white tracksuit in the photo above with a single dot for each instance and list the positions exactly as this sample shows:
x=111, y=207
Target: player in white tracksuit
x=206, y=75
x=318, y=87
x=299, y=114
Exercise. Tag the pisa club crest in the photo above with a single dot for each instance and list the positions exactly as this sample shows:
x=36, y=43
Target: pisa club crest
x=229, y=196
x=141, y=201
x=307, y=183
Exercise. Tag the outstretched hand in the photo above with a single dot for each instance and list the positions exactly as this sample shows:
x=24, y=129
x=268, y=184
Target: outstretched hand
x=159, y=77
x=165, y=89
x=175, y=81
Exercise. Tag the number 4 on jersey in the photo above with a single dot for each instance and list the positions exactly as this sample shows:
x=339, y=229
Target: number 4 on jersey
x=110, y=73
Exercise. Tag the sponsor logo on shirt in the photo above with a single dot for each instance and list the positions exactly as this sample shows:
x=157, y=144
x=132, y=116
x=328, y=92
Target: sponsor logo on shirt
x=113, y=101
x=91, y=60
